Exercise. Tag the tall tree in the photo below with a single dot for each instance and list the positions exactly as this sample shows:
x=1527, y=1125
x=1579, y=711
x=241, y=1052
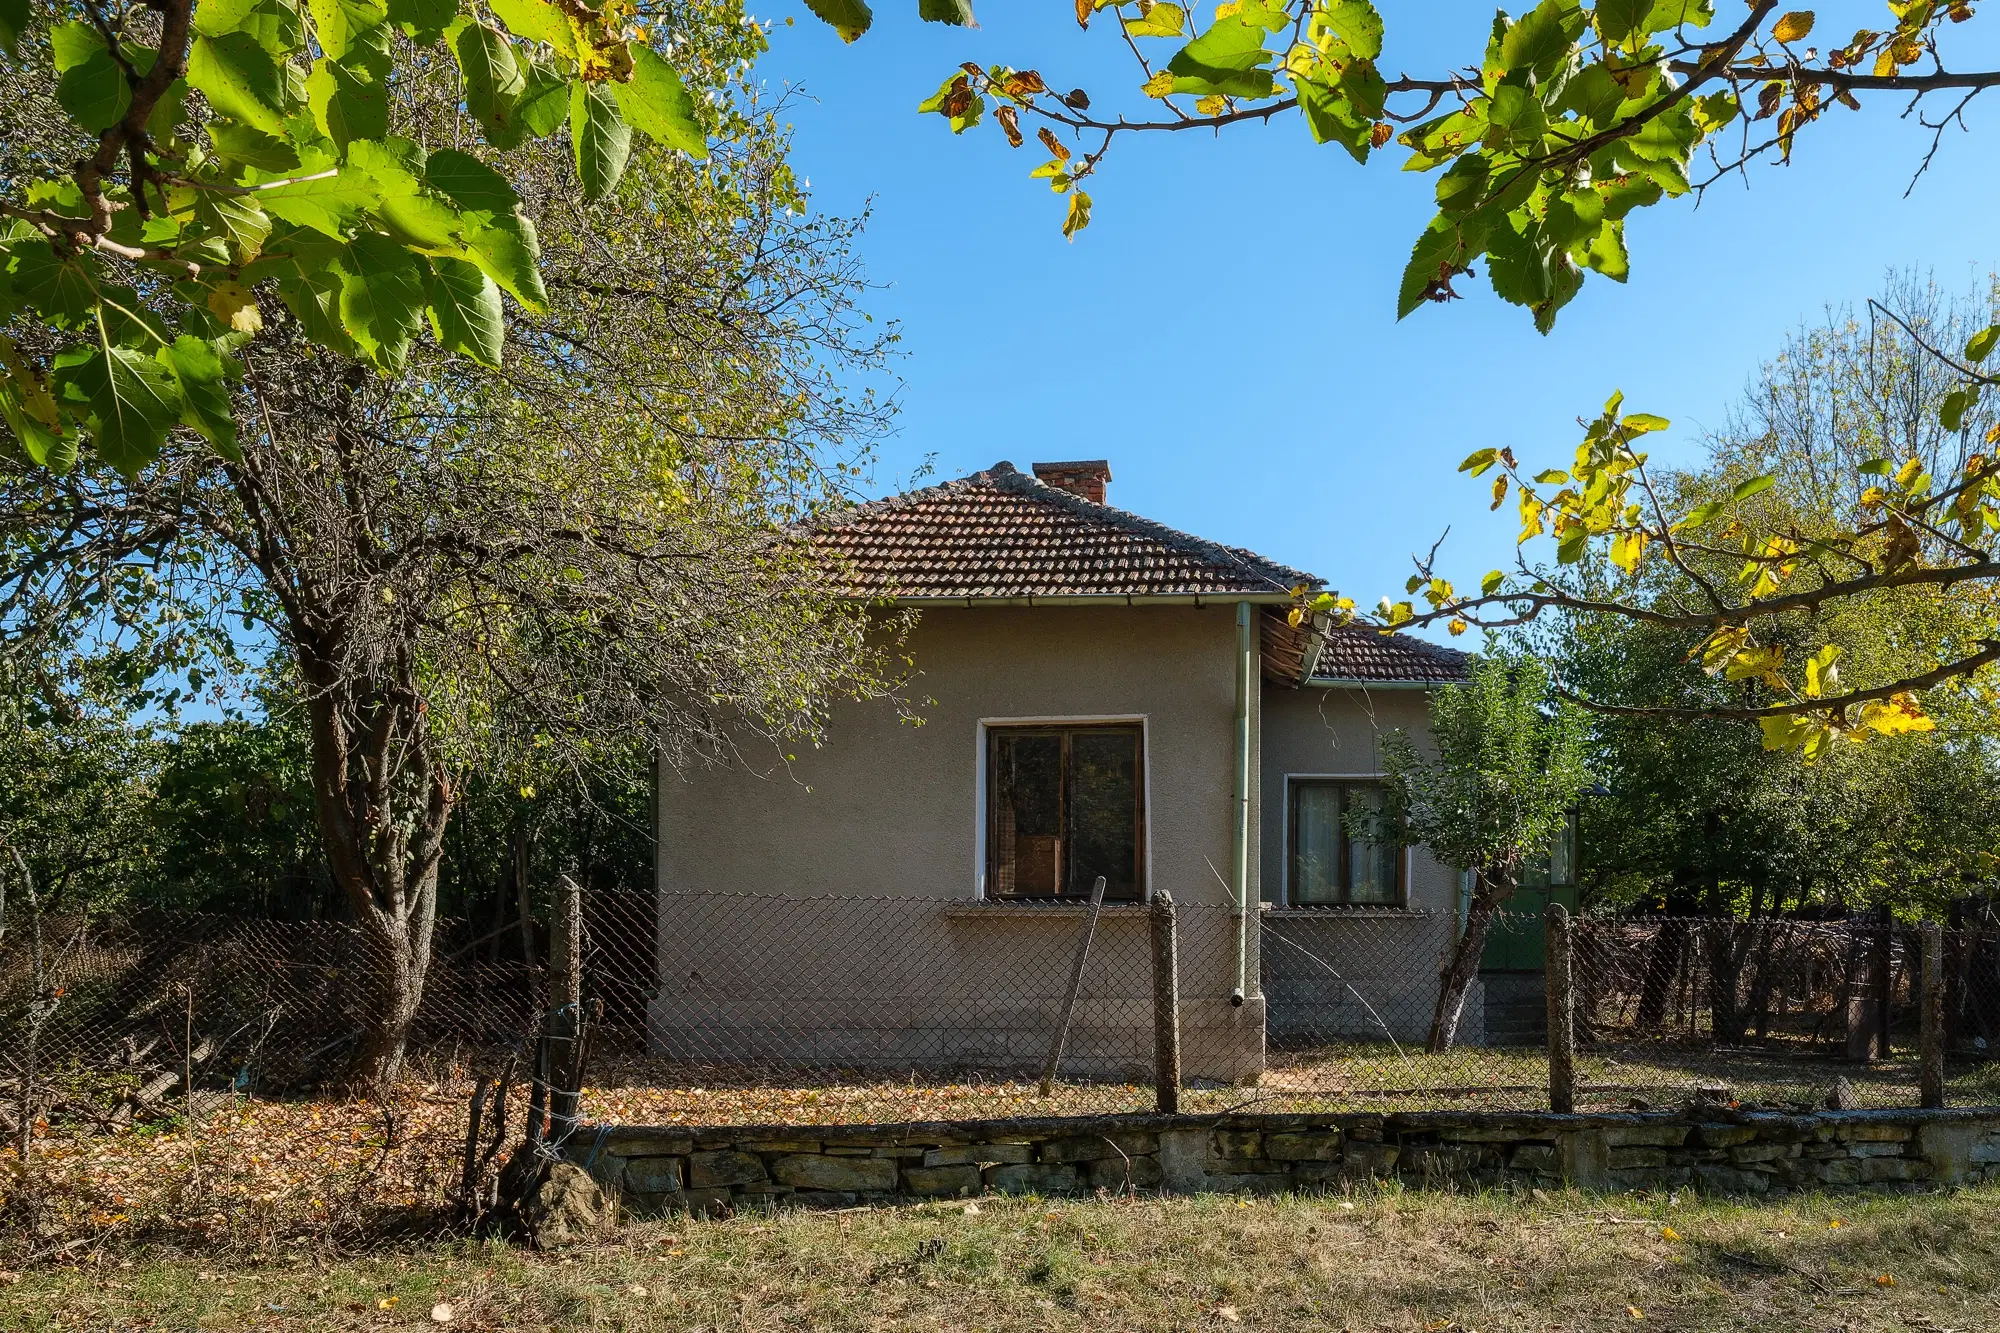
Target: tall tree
x=1496, y=789
x=545, y=565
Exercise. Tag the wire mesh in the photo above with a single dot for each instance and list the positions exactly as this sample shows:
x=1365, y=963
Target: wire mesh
x=141, y=1036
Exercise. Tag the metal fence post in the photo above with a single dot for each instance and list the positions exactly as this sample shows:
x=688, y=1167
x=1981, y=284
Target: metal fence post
x=1930, y=1078
x=1075, y=987
x=1166, y=1005
x=1561, y=986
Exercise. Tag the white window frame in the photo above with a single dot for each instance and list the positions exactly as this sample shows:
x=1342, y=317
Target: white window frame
x=1405, y=870
x=980, y=750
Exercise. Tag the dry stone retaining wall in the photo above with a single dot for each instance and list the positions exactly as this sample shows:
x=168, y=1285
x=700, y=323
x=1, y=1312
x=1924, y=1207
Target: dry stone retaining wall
x=669, y=1169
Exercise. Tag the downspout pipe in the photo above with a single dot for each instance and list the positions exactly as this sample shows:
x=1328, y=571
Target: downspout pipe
x=1240, y=860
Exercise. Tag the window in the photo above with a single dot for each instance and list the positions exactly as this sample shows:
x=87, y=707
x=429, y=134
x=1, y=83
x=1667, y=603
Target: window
x=1065, y=805
x=1331, y=865
x=1555, y=869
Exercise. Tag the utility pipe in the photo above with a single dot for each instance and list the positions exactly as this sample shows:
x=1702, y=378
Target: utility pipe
x=1240, y=865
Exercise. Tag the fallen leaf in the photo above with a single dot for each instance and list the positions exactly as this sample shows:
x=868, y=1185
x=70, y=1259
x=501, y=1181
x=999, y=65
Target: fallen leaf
x=1635, y=1312
x=970, y=1209
x=1885, y=1280
x=1668, y=1233
x=1834, y=1225
x=387, y=1303
x=441, y=1313
x=636, y=1290
x=1229, y=1312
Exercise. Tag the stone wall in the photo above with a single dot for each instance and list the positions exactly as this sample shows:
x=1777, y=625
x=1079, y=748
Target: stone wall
x=667, y=1169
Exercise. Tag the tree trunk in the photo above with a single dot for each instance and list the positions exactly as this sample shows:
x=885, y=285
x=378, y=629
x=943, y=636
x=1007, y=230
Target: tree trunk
x=1663, y=965
x=1491, y=885
x=383, y=804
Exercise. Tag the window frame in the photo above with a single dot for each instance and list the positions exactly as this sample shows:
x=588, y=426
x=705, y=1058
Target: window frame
x=1290, y=891
x=983, y=810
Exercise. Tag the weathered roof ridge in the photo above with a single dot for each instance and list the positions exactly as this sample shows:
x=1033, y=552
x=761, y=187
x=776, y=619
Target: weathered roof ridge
x=1004, y=476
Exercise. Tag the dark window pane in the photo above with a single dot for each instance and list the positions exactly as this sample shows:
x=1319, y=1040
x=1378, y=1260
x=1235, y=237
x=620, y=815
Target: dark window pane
x=1371, y=862
x=1316, y=835
x=1027, y=813
x=1104, y=811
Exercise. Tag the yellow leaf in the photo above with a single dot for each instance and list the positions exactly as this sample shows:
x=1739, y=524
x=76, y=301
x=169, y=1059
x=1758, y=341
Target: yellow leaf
x=386, y=1303
x=1532, y=510
x=1720, y=648
x=1668, y=1233
x=1159, y=85
x=1760, y=661
x=1635, y=1312
x=1457, y=627
x=1079, y=214
x=1225, y=10
x=1794, y=26
x=1499, y=490
x=1907, y=474
x=1885, y=1280
x=1822, y=676
x=1212, y=105
x=1626, y=550
x=1896, y=715
x=236, y=306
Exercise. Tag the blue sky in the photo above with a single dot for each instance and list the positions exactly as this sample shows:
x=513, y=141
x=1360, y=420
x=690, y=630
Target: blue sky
x=1225, y=331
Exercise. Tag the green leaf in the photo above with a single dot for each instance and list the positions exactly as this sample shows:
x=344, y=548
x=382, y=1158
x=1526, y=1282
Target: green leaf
x=544, y=103
x=346, y=105
x=602, y=140
x=1666, y=15
x=201, y=374
x=423, y=20
x=1443, y=246
x=1540, y=40
x=1226, y=59
x=61, y=288
x=1357, y=24
x=1754, y=486
x=1951, y=412
x=465, y=311
x=538, y=21
x=1462, y=185
x=14, y=18
x=329, y=204
x=470, y=183
x=1332, y=118
x=493, y=81
x=506, y=251
x=1619, y=19
x=1701, y=514
x=95, y=92
x=243, y=146
x=275, y=25
x=656, y=102
x=239, y=79
x=1605, y=252
x=73, y=43
x=850, y=18
x=1477, y=463
x=132, y=401
x=242, y=225
x=958, y=13
x=1491, y=583
x=1521, y=262
x=340, y=24
x=1981, y=344
x=382, y=298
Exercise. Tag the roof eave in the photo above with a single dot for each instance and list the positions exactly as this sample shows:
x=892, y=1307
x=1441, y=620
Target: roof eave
x=1359, y=683
x=1091, y=599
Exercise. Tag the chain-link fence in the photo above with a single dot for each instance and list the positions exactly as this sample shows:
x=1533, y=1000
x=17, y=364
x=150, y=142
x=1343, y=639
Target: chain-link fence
x=135, y=1037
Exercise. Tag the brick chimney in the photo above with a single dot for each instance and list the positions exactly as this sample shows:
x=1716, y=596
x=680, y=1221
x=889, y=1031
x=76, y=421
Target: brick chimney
x=1086, y=478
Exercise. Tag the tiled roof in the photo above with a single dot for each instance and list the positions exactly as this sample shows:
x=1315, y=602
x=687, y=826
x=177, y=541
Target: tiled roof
x=1355, y=652
x=1001, y=533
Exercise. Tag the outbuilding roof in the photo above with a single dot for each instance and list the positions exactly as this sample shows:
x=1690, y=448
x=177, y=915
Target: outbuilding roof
x=1001, y=534
x=1367, y=656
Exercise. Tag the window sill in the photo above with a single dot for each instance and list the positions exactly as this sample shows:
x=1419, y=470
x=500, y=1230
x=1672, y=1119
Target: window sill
x=990, y=909
x=1331, y=911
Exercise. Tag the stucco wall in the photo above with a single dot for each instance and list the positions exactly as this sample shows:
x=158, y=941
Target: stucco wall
x=1359, y=975
x=888, y=809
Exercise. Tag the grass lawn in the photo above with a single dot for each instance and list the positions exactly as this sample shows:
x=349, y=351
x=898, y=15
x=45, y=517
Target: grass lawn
x=1370, y=1261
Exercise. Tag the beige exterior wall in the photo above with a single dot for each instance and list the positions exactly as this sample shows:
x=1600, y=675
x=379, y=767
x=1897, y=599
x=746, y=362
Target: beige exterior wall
x=1341, y=974
x=887, y=809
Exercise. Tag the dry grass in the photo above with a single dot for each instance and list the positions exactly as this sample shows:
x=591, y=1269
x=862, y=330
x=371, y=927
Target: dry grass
x=1373, y=1261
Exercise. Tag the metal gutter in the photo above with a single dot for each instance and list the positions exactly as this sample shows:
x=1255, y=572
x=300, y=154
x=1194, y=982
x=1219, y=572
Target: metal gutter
x=1336, y=683
x=1246, y=672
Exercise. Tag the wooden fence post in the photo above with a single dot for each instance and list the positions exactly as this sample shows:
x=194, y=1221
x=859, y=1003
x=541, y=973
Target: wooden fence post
x=565, y=1022
x=1075, y=987
x=1166, y=1005
x=1561, y=985
x=1930, y=1078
